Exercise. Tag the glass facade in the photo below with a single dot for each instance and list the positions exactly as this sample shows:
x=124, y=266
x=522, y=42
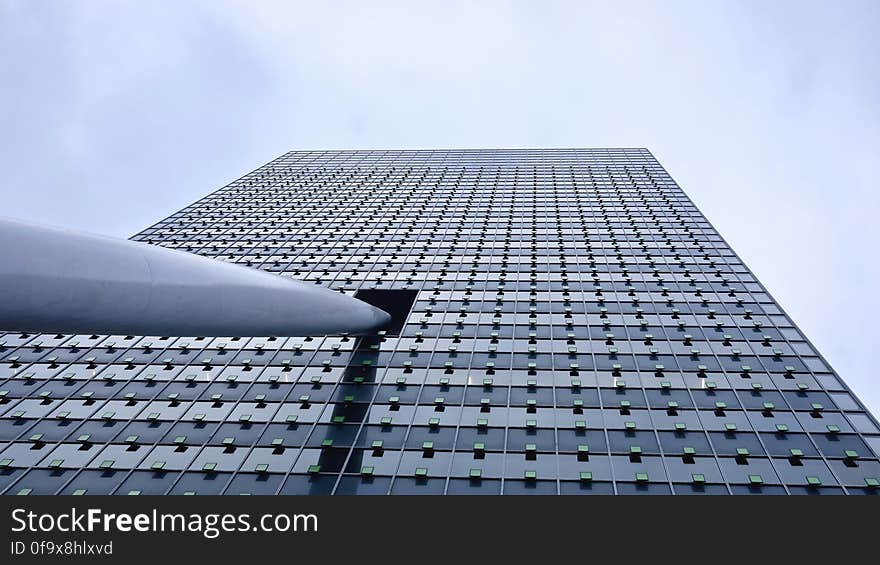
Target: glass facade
x=568, y=323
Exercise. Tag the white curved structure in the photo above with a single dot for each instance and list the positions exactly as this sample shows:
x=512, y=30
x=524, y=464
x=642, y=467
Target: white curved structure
x=61, y=281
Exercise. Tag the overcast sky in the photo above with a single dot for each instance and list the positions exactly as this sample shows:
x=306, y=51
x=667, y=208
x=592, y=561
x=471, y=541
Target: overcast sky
x=116, y=114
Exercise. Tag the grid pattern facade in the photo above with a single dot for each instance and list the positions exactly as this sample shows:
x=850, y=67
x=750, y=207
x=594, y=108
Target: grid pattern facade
x=578, y=327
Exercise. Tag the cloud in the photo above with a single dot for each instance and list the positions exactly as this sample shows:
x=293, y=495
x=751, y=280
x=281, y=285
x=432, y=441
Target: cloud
x=119, y=113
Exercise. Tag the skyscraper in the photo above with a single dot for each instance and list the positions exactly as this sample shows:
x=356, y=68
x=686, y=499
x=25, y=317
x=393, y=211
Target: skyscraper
x=565, y=321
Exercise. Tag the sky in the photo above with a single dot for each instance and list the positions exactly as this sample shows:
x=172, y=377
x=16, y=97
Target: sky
x=114, y=115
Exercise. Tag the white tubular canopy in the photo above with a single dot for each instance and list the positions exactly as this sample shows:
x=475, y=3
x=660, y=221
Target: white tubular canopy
x=60, y=281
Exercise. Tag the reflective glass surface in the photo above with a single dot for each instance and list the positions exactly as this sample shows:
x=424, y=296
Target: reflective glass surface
x=569, y=323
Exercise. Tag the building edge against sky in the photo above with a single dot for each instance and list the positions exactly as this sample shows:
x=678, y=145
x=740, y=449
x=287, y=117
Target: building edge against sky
x=569, y=322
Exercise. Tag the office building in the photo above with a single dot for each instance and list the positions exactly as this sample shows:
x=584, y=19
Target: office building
x=566, y=322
